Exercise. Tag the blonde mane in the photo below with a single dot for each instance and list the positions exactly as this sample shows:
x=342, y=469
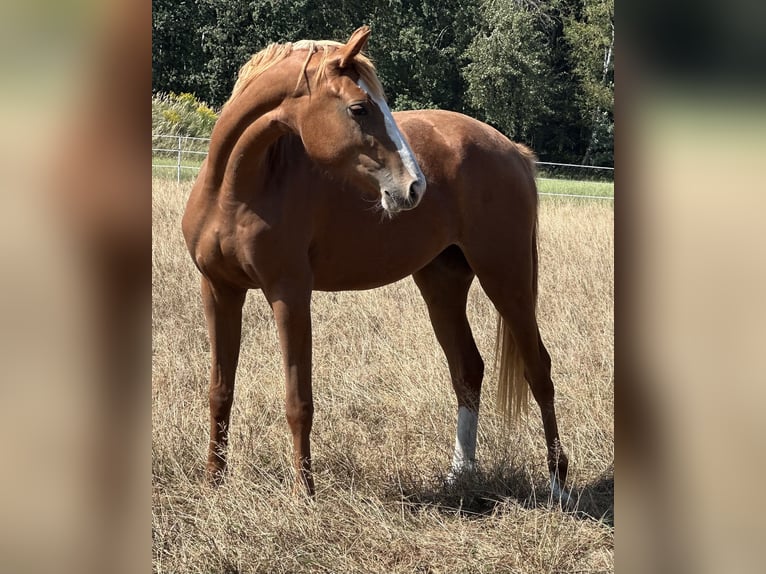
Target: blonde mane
x=275, y=53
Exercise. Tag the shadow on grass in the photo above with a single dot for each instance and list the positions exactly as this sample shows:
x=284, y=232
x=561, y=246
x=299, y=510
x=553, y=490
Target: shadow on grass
x=487, y=492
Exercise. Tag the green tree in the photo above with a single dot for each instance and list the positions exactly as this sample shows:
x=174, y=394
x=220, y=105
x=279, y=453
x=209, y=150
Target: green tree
x=508, y=75
x=419, y=49
x=590, y=33
x=234, y=31
x=178, y=60
x=540, y=71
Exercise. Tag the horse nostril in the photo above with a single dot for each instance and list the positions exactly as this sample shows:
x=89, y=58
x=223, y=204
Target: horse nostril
x=412, y=197
x=388, y=193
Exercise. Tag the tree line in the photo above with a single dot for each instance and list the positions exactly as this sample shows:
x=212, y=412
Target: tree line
x=542, y=72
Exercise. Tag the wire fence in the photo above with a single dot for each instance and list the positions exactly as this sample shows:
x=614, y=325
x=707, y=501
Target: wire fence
x=184, y=155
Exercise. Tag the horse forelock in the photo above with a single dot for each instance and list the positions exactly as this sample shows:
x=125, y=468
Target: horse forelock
x=275, y=53
x=362, y=64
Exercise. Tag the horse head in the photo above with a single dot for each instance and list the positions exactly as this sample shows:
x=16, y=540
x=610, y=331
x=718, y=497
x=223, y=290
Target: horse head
x=346, y=125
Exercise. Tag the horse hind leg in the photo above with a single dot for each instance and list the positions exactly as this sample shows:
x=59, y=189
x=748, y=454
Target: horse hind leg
x=510, y=284
x=444, y=284
x=558, y=462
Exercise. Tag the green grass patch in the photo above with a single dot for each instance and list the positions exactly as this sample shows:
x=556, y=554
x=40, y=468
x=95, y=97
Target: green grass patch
x=572, y=187
x=167, y=167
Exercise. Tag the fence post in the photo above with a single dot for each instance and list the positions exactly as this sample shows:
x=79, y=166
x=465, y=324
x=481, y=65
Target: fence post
x=178, y=165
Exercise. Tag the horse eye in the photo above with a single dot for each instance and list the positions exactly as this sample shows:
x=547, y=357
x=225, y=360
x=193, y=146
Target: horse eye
x=358, y=109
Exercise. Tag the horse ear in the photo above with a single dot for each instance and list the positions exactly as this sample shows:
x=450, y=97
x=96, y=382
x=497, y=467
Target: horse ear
x=355, y=44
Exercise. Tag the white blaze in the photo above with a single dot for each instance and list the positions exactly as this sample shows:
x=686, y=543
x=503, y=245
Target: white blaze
x=465, y=440
x=405, y=152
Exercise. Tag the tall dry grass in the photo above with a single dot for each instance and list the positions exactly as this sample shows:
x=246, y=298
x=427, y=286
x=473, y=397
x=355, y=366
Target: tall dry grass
x=384, y=427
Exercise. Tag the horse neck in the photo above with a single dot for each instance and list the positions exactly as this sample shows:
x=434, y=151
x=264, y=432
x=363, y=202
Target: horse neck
x=247, y=128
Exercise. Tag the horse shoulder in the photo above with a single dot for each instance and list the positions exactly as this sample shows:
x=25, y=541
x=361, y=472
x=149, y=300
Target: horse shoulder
x=220, y=236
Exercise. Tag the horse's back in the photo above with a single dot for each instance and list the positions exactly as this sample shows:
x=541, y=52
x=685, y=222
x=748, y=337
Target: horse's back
x=488, y=174
x=455, y=128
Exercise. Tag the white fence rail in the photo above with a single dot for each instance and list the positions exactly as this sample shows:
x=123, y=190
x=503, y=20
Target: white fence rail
x=182, y=145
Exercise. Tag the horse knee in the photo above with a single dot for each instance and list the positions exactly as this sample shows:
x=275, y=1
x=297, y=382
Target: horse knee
x=221, y=399
x=299, y=414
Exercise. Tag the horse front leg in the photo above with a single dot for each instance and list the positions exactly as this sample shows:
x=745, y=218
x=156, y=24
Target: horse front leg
x=223, y=312
x=292, y=313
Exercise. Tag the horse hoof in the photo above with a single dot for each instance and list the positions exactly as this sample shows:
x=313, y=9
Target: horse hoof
x=459, y=472
x=214, y=477
x=561, y=495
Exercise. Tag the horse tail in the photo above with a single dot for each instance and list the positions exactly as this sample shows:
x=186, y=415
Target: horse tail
x=512, y=386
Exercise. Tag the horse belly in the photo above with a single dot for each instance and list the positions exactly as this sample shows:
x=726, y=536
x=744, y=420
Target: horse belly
x=354, y=274
x=372, y=256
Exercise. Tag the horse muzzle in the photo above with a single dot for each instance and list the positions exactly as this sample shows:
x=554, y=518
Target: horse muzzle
x=394, y=202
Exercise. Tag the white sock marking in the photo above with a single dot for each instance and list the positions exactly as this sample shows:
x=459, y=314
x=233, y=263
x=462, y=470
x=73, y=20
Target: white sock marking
x=465, y=441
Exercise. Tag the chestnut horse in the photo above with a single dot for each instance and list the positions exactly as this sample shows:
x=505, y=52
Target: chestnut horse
x=283, y=204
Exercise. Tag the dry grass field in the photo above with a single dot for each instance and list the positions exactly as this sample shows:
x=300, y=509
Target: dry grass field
x=384, y=426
